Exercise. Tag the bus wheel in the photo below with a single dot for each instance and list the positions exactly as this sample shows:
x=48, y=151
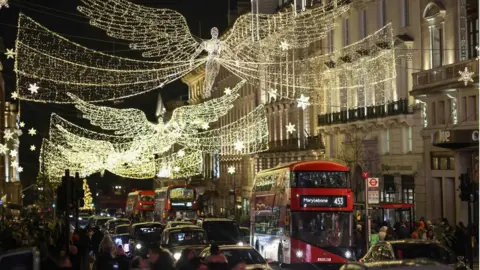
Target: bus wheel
x=280, y=254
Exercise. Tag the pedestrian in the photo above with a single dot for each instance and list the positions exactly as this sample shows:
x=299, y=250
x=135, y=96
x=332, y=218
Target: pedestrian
x=360, y=242
x=185, y=262
x=160, y=259
x=105, y=260
x=122, y=259
x=97, y=237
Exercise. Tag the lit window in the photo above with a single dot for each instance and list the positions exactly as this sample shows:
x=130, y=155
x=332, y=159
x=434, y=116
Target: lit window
x=387, y=141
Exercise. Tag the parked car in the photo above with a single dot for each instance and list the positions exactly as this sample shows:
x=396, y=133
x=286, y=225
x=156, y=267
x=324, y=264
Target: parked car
x=398, y=265
x=121, y=236
x=180, y=237
x=171, y=224
x=413, y=249
x=111, y=224
x=236, y=254
x=99, y=221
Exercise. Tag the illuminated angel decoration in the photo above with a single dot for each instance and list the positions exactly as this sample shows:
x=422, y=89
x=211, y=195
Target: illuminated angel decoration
x=138, y=148
x=251, y=49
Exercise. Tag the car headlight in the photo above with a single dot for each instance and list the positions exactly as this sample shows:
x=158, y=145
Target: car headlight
x=177, y=255
x=79, y=218
x=138, y=246
x=240, y=244
x=299, y=254
x=348, y=254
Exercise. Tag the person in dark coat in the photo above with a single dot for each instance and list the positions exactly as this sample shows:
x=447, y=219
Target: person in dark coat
x=122, y=259
x=403, y=232
x=359, y=242
x=97, y=237
x=185, y=262
x=160, y=259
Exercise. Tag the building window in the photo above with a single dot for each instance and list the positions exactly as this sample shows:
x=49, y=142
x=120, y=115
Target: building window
x=472, y=108
x=330, y=41
x=472, y=32
x=363, y=23
x=381, y=13
x=441, y=161
x=408, y=189
x=433, y=112
x=405, y=13
x=345, y=32
x=436, y=46
x=387, y=141
x=408, y=141
x=388, y=188
x=441, y=112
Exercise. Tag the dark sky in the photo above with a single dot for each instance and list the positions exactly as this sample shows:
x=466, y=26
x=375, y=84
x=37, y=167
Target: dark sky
x=62, y=17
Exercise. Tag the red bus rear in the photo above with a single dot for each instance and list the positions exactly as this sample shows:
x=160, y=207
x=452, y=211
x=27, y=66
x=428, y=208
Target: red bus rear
x=140, y=203
x=302, y=214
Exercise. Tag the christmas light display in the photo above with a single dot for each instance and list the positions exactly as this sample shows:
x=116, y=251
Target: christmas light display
x=10, y=54
x=163, y=35
x=465, y=76
x=87, y=196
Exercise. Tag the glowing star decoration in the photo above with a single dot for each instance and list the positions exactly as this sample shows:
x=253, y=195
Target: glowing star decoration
x=273, y=93
x=228, y=91
x=20, y=169
x=284, y=46
x=465, y=76
x=181, y=153
x=8, y=135
x=3, y=149
x=14, y=164
x=205, y=126
x=10, y=53
x=231, y=170
x=290, y=128
x=239, y=146
x=32, y=148
x=164, y=35
x=15, y=95
x=32, y=132
x=21, y=124
x=303, y=102
x=33, y=88
x=13, y=153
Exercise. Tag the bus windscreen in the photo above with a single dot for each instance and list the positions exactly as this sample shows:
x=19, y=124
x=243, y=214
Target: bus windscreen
x=182, y=194
x=305, y=179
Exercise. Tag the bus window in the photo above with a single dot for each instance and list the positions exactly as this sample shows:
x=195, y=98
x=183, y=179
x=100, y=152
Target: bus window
x=303, y=179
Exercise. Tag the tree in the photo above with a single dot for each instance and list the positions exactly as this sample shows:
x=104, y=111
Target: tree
x=87, y=199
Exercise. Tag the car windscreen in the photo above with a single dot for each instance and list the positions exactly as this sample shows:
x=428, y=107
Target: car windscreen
x=436, y=252
x=122, y=229
x=185, y=237
x=222, y=231
x=149, y=233
x=249, y=256
x=102, y=221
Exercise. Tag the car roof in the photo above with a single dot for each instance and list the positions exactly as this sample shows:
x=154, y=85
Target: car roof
x=122, y=225
x=183, y=228
x=216, y=219
x=146, y=224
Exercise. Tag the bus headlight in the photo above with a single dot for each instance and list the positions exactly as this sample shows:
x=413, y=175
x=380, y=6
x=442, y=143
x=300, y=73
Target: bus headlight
x=299, y=254
x=177, y=256
x=348, y=254
x=240, y=244
x=138, y=246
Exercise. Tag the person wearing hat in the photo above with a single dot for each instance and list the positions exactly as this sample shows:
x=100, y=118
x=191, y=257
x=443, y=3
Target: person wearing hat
x=359, y=241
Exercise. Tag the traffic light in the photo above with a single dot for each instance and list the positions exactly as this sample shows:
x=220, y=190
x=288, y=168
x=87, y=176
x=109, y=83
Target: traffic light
x=465, y=187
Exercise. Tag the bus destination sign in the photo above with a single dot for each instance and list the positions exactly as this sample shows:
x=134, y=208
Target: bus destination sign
x=323, y=201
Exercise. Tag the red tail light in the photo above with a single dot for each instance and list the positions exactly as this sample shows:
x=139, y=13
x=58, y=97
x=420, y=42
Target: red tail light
x=194, y=204
x=168, y=204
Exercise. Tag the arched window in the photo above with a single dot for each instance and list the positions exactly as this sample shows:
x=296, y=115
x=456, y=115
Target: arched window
x=434, y=14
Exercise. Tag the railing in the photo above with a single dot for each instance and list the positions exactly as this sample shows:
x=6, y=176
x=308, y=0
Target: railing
x=292, y=144
x=444, y=74
x=363, y=113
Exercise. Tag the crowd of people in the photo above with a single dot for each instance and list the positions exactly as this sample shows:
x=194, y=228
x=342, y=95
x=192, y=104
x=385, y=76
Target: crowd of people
x=91, y=249
x=457, y=238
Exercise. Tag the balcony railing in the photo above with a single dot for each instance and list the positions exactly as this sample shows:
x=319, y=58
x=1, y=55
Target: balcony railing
x=293, y=144
x=363, y=113
x=444, y=76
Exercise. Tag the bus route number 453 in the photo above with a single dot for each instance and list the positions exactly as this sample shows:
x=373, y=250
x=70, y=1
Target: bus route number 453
x=338, y=201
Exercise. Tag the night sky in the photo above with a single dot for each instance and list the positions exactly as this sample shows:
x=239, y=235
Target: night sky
x=62, y=17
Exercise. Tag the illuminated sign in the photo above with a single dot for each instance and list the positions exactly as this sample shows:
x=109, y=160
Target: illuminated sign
x=181, y=205
x=182, y=194
x=323, y=201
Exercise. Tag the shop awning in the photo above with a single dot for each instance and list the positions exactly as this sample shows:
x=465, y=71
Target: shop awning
x=455, y=139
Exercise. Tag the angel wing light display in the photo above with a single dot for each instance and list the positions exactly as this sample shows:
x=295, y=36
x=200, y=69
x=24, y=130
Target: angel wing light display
x=251, y=49
x=139, y=149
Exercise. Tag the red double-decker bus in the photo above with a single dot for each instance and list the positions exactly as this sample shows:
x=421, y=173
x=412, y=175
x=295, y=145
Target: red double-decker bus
x=175, y=202
x=302, y=214
x=140, y=203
